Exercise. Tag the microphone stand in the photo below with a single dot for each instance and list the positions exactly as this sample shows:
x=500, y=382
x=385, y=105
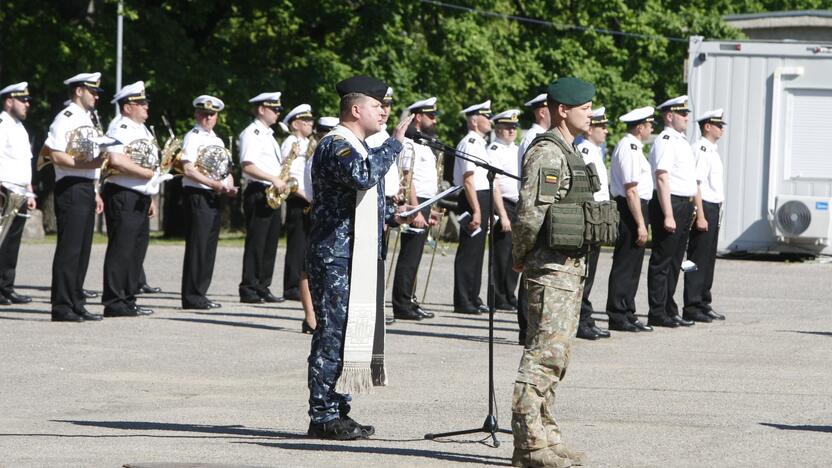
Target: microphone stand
x=490, y=425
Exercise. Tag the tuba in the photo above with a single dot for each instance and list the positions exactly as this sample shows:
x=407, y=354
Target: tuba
x=143, y=152
x=12, y=198
x=214, y=162
x=274, y=199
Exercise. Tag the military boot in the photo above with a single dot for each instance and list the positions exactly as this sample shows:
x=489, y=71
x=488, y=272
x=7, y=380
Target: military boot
x=565, y=452
x=540, y=458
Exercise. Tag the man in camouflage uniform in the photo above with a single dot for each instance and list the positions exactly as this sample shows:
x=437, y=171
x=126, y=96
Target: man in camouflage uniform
x=553, y=173
x=339, y=171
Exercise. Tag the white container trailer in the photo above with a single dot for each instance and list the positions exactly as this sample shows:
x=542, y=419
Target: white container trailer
x=777, y=148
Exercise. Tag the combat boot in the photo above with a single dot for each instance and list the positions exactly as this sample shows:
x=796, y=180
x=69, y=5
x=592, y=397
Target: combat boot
x=540, y=458
x=565, y=452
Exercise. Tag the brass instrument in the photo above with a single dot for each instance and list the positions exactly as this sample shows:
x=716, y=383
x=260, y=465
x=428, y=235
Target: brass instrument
x=407, y=157
x=440, y=227
x=274, y=199
x=12, y=198
x=81, y=143
x=171, y=155
x=214, y=162
x=142, y=152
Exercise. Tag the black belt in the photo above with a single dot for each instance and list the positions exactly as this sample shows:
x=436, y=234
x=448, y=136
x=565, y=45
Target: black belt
x=679, y=197
x=506, y=201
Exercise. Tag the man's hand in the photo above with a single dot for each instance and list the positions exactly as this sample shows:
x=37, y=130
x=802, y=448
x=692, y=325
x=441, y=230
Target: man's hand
x=505, y=224
x=418, y=221
x=518, y=268
x=279, y=184
x=151, y=212
x=435, y=218
x=641, y=235
x=398, y=133
x=669, y=224
x=400, y=209
x=701, y=224
x=217, y=186
x=99, y=204
x=31, y=203
x=475, y=221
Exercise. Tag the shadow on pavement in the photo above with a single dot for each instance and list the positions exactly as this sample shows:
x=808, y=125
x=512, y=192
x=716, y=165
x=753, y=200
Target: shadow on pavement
x=235, y=430
x=225, y=322
x=452, y=336
x=798, y=427
x=804, y=332
x=247, y=315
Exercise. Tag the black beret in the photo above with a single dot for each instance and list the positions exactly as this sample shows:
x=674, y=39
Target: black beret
x=367, y=85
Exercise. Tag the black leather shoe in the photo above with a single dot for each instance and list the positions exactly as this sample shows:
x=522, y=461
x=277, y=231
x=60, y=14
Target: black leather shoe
x=143, y=310
x=251, y=300
x=521, y=339
x=425, y=313
x=337, y=429
x=202, y=306
x=682, y=322
x=271, y=298
x=407, y=314
x=715, y=315
x=305, y=328
x=663, y=321
x=506, y=307
x=641, y=326
x=16, y=298
x=468, y=311
x=4, y=300
x=146, y=289
x=89, y=294
x=483, y=308
x=88, y=317
x=66, y=316
x=697, y=316
x=600, y=332
x=623, y=325
x=291, y=295
x=586, y=333
x=214, y=305
x=389, y=320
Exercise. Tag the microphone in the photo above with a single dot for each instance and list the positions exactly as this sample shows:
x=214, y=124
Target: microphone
x=420, y=137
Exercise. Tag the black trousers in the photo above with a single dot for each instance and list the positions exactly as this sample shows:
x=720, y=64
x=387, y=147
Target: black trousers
x=75, y=216
x=505, y=279
x=469, y=255
x=125, y=212
x=407, y=266
x=144, y=243
x=297, y=228
x=262, y=234
x=627, y=261
x=586, y=305
x=702, y=252
x=668, y=253
x=9, y=251
x=202, y=231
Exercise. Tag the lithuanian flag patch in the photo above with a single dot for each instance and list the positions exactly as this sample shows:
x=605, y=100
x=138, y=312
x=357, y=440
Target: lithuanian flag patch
x=550, y=179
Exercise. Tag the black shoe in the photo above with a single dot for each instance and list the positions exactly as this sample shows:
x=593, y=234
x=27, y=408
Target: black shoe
x=143, y=310
x=305, y=328
x=16, y=298
x=271, y=298
x=682, y=322
x=66, y=316
x=714, y=315
x=4, y=300
x=366, y=431
x=146, y=289
x=521, y=339
x=389, y=320
x=697, y=316
x=641, y=326
x=337, y=429
x=662, y=321
x=407, y=314
x=291, y=294
x=214, y=305
x=201, y=306
x=87, y=316
x=468, y=311
x=623, y=325
x=600, y=332
x=251, y=300
x=483, y=309
x=586, y=333
x=424, y=313
x=506, y=307
x=89, y=294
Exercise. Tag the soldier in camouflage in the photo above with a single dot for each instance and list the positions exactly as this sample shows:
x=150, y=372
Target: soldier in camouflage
x=339, y=171
x=553, y=172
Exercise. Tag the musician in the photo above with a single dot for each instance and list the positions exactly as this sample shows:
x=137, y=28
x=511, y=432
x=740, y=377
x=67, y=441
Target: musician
x=260, y=161
x=127, y=201
x=15, y=168
x=76, y=201
x=297, y=148
x=202, y=206
x=420, y=179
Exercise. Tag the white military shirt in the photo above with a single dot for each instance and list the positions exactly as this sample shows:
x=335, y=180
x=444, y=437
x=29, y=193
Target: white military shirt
x=423, y=178
x=391, y=179
x=473, y=147
x=126, y=131
x=527, y=139
x=298, y=167
x=592, y=155
x=197, y=138
x=504, y=156
x=15, y=151
x=307, y=178
x=258, y=146
x=629, y=166
x=671, y=152
x=709, y=171
x=72, y=117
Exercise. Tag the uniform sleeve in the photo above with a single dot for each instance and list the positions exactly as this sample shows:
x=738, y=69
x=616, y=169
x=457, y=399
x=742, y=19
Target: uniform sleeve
x=538, y=189
x=247, y=147
x=703, y=164
x=358, y=173
x=190, y=146
x=56, y=139
x=664, y=157
x=286, y=148
x=630, y=166
x=115, y=132
x=406, y=160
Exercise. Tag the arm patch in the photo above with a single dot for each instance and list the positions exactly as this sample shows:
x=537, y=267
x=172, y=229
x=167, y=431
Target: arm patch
x=704, y=149
x=256, y=131
x=633, y=146
x=548, y=184
x=666, y=137
x=68, y=113
x=471, y=140
x=493, y=147
x=123, y=125
x=585, y=150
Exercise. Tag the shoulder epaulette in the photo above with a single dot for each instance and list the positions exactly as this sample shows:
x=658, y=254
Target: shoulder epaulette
x=494, y=146
x=256, y=131
x=123, y=125
x=666, y=137
x=704, y=149
x=195, y=131
x=633, y=146
x=585, y=150
x=471, y=140
x=68, y=113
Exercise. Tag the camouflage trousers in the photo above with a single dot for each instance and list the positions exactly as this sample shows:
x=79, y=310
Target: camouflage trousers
x=554, y=308
x=329, y=284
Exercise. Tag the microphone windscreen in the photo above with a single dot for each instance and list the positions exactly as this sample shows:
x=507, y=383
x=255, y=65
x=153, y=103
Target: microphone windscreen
x=412, y=133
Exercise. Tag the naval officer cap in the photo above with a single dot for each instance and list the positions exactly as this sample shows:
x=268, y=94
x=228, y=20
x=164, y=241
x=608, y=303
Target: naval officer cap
x=599, y=117
x=637, y=116
x=507, y=118
x=538, y=101
x=483, y=108
x=134, y=92
x=366, y=85
x=303, y=111
x=425, y=106
x=210, y=104
x=388, y=97
x=270, y=100
x=716, y=116
x=19, y=91
x=571, y=91
x=327, y=123
x=677, y=104
x=91, y=81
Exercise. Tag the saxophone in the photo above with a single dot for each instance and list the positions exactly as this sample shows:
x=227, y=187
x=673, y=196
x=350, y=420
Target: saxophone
x=274, y=199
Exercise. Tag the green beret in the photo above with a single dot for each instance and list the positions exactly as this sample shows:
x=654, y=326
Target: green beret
x=571, y=91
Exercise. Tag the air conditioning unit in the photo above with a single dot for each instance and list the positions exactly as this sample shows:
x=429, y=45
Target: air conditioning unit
x=799, y=217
